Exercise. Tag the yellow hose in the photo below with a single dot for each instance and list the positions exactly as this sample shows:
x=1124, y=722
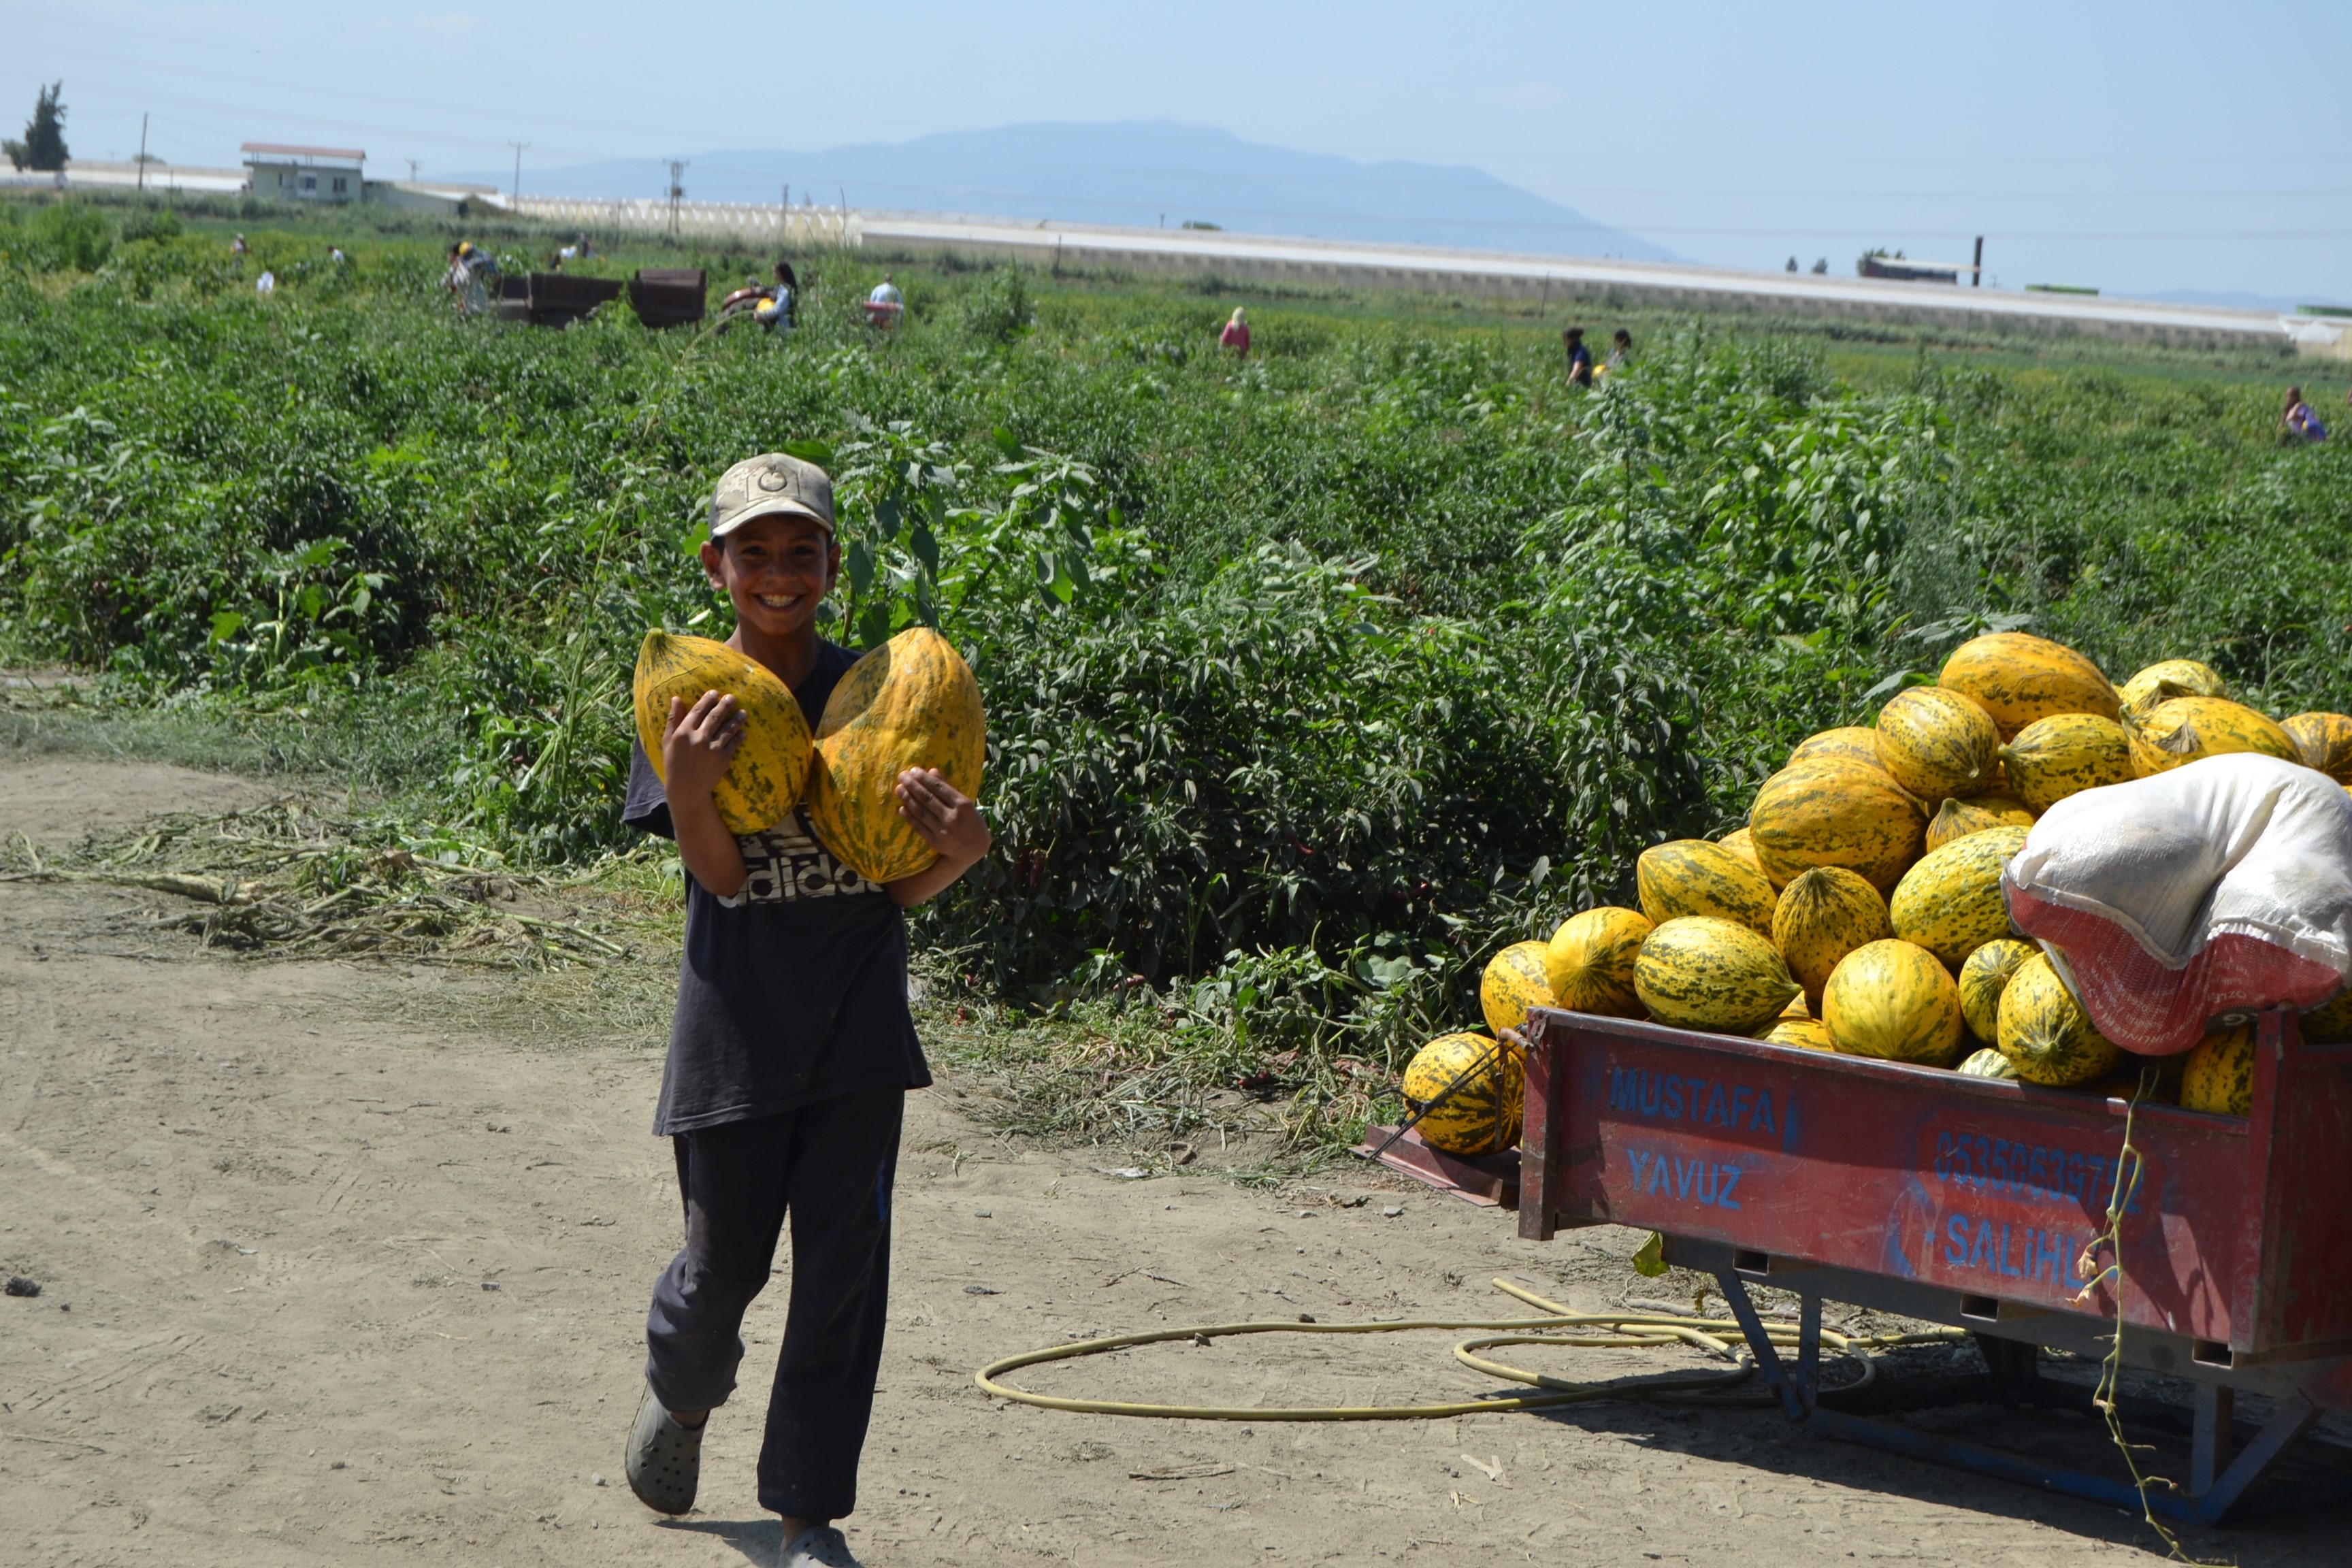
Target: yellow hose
x=1601, y=1331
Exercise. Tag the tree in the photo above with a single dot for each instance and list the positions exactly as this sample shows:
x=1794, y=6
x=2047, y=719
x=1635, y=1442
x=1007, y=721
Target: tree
x=43, y=146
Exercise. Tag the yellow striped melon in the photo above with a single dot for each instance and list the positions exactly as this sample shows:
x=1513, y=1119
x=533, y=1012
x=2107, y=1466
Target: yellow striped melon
x=1514, y=981
x=764, y=778
x=1848, y=743
x=1836, y=814
x=2330, y=1023
x=1469, y=1091
x=2218, y=1075
x=2172, y=677
x=2190, y=729
x=1984, y=976
x=1738, y=843
x=1692, y=877
x=1958, y=818
x=2324, y=740
x=1704, y=973
x=1809, y=1033
x=1986, y=1063
x=2020, y=678
x=910, y=703
x=1951, y=903
x=2064, y=754
x=1589, y=962
x=1824, y=914
x=1796, y=1007
x=2045, y=1034
x=1937, y=742
x=1895, y=1001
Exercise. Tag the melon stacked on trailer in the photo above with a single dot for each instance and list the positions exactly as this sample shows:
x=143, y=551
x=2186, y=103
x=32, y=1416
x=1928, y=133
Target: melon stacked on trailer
x=1860, y=910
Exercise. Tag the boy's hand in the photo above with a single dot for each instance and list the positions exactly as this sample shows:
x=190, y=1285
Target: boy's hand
x=697, y=743
x=948, y=819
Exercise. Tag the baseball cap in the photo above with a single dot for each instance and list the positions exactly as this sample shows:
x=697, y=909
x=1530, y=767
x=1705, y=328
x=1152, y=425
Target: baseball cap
x=769, y=483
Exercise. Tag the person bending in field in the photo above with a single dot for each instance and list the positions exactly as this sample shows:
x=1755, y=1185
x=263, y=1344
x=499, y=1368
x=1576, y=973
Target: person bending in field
x=790, y=1053
x=1236, y=334
x=2299, y=422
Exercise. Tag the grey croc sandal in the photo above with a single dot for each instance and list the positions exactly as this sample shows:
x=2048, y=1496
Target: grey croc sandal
x=818, y=1546
x=665, y=1459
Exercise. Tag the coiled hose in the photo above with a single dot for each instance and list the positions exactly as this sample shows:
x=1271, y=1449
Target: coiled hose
x=1586, y=1330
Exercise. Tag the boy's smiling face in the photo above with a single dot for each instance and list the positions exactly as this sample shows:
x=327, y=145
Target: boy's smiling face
x=775, y=569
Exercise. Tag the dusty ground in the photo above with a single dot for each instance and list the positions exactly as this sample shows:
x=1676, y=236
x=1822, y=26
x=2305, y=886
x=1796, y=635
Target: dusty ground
x=332, y=1274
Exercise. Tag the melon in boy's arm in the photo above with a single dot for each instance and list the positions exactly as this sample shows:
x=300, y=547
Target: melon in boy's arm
x=948, y=820
x=697, y=744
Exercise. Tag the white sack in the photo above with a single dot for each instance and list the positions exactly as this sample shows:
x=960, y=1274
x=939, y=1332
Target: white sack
x=2217, y=888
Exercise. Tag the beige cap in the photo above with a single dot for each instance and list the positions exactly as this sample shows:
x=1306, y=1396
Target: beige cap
x=769, y=483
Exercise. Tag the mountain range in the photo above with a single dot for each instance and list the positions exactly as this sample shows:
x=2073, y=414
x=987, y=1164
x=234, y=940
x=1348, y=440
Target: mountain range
x=1142, y=173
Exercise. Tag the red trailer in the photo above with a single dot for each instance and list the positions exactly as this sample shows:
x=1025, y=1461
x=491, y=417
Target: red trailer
x=1970, y=1202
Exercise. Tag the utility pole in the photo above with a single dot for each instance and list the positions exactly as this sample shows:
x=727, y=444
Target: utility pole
x=412, y=171
x=1976, y=279
x=517, y=194
x=142, y=152
x=677, y=192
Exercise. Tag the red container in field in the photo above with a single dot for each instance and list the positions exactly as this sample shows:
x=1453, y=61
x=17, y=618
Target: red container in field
x=1971, y=1202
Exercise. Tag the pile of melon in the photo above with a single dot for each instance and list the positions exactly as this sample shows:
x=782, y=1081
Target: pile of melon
x=1860, y=910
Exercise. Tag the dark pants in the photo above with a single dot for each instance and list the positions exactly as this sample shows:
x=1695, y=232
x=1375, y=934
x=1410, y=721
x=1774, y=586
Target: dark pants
x=829, y=1165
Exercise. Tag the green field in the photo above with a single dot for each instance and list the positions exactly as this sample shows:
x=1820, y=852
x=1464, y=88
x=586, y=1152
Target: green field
x=1311, y=679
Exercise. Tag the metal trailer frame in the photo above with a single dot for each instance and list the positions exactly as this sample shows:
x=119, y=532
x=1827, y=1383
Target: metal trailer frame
x=668, y=296
x=1968, y=1202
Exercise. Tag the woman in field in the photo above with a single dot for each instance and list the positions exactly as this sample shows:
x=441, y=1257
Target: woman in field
x=2299, y=422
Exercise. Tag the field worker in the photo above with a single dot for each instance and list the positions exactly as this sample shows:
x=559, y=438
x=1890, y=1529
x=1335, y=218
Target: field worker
x=1620, y=351
x=1580, y=358
x=335, y=254
x=2299, y=422
x=469, y=264
x=1236, y=334
x=884, y=304
x=779, y=311
x=236, y=252
x=791, y=1053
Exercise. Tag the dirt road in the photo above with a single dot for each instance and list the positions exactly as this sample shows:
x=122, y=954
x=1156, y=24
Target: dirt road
x=331, y=1273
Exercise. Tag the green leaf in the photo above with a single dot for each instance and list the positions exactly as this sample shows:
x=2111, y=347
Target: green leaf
x=1901, y=681
x=817, y=452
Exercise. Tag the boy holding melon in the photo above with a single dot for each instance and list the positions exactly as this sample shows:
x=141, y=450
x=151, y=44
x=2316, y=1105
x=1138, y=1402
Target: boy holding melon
x=792, y=1050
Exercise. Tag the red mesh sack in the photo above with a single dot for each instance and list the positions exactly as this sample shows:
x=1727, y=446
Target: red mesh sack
x=2217, y=888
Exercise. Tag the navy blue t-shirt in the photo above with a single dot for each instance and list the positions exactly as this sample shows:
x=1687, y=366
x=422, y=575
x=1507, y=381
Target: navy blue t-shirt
x=793, y=991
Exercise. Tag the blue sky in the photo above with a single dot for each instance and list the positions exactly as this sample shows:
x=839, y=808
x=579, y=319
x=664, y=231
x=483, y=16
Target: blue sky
x=2142, y=149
